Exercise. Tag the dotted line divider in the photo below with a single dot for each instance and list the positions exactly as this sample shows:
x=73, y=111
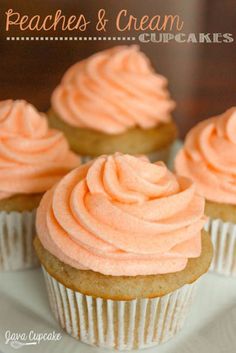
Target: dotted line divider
x=70, y=38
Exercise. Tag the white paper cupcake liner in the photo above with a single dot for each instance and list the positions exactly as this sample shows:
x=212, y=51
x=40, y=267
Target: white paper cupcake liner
x=123, y=325
x=17, y=230
x=223, y=236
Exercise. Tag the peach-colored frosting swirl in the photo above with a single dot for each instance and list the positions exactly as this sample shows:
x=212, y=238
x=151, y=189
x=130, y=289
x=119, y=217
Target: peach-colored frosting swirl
x=122, y=215
x=32, y=156
x=209, y=157
x=112, y=91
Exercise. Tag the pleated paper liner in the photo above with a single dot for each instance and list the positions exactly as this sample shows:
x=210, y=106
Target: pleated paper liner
x=17, y=230
x=123, y=325
x=223, y=236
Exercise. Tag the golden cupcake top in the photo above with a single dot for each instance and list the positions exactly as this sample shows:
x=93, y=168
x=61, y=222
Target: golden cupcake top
x=112, y=91
x=32, y=156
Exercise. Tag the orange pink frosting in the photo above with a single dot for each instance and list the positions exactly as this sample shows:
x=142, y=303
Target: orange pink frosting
x=112, y=91
x=122, y=215
x=32, y=156
x=209, y=157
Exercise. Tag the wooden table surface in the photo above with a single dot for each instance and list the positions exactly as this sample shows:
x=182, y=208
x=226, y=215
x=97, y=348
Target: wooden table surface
x=202, y=77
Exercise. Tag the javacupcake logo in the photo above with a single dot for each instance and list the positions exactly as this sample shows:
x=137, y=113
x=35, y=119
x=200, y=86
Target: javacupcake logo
x=128, y=27
x=22, y=339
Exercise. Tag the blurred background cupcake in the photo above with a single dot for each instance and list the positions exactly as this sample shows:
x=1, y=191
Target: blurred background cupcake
x=32, y=158
x=114, y=101
x=122, y=246
x=209, y=159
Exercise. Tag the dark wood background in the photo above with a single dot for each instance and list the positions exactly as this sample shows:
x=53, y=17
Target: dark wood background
x=202, y=77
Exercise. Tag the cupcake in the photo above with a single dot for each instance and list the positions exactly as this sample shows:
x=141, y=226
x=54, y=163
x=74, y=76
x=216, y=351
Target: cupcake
x=122, y=247
x=114, y=102
x=209, y=159
x=32, y=159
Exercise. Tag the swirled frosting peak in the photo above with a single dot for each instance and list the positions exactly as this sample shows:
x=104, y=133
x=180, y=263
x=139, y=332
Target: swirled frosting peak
x=209, y=157
x=32, y=156
x=112, y=91
x=122, y=215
